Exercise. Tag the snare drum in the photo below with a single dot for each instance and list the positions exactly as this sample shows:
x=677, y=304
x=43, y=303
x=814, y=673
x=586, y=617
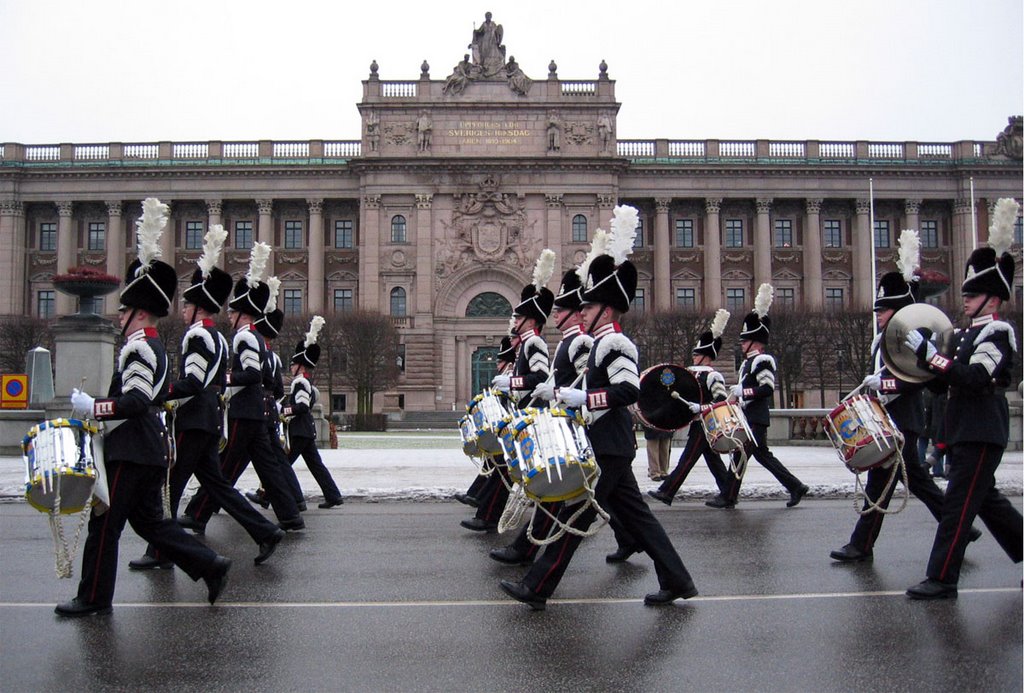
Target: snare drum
x=726, y=427
x=488, y=413
x=553, y=460
x=863, y=434
x=59, y=465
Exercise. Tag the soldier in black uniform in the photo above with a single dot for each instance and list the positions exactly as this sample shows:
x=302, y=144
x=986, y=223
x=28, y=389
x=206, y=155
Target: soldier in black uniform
x=712, y=386
x=903, y=401
x=197, y=417
x=301, y=430
x=754, y=392
x=247, y=434
x=612, y=383
x=531, y=368
x=135, y=450
x=570, y=359
x=977, y=415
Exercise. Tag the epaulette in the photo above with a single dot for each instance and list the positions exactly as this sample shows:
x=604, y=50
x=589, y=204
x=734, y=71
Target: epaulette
x=140, y=347
x=535, y=342
x=762, y=358
x=579, y=344
x=617, y=342
x=997, y=326
x=201, y=331
x=245, y=338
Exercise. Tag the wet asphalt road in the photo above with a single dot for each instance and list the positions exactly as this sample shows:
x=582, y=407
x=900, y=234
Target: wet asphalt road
x=397, y=596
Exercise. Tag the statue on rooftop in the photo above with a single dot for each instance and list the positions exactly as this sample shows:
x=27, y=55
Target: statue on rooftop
x=486, y=48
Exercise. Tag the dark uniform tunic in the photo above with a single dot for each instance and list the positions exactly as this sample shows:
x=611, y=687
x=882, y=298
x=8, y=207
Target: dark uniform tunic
x=302, y=435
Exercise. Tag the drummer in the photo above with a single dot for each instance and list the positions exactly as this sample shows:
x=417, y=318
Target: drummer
x=754, y=392
x=531, y=368
x=712, y=389
x=904, y=403
x=569, y=363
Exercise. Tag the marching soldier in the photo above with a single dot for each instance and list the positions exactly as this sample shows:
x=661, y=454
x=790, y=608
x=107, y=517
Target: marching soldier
x=755, y=391
x=977, y=415
x=197, y=418
x=135, y=450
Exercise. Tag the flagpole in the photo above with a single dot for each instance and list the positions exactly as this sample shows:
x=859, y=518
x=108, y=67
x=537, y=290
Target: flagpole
x=974, y=219
x=871, y=222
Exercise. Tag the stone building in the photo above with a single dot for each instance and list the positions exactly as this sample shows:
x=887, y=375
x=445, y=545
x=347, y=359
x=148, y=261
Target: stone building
x=436, y=214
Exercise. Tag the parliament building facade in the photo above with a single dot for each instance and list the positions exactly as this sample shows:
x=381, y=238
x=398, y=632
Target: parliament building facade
x=436, y=214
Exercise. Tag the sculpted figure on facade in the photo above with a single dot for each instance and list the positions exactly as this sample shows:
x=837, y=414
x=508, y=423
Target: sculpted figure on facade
x=486, y=48
x=1010, y=142
x=456, y=82
x=372, y=131
x=424, y=129
x=604, y=130
x=554, y=132
x=517, y=79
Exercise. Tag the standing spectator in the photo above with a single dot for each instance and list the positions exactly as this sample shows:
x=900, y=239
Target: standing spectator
x=659, y=452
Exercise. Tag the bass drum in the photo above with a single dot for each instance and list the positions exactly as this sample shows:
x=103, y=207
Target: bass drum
x=662, y=387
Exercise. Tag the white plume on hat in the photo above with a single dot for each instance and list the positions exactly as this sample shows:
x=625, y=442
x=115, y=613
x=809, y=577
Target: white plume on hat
x=719, y=323
x=275, y=288
x=763, y=300
x=909, y=259
x=213, y=243
x=623, y=234
x=150, y=227
x=543, y=268
x=257, y=264
x=597, y=247
x=315, y=325
x=1000, y=231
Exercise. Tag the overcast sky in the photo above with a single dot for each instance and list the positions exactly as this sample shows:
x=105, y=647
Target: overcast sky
x=141, y=71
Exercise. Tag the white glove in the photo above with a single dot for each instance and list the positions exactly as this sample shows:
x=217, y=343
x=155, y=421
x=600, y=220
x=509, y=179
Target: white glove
x=572, y=396
x=544, y=391
x=501, y=382
x=737, y=391
x=693, y=406
x=82, y=401
x=872, y=381
x=924, y=349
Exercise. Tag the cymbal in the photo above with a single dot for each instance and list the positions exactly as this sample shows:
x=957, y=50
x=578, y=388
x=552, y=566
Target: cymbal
x=897, y=357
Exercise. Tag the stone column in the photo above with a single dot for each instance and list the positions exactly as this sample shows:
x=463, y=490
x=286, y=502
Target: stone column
x=315, y=255
x=813, y=292
x=12, y=257
x=963, y=245
x=115, y=251
x=555, y=236
x=66, y=254
x=421, y=305
x=712, y=254
x=214, y=208
x=763, y=243
x=863, y=239
x=662, y=255
x=265, y=229
x=911, y=210
x=605, y=211
x=167, y=239
x=369, y=253
x=463, y=368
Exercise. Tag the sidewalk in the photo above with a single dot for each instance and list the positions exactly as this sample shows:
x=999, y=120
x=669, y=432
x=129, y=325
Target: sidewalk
x=430, y=466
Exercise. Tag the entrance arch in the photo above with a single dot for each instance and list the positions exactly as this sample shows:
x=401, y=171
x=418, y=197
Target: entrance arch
x=484, y=367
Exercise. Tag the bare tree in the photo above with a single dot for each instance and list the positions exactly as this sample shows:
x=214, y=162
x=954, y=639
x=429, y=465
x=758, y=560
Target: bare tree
x=367, y=343
x=18, y=335
x=665, y=336
x=791, y=332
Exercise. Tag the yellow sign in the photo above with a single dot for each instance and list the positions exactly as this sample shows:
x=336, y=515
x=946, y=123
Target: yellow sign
x=14, y=391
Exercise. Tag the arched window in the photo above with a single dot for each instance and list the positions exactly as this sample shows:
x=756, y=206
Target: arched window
x=398, y=302
x=398, y=229
x=579, y=229
x=488, y=305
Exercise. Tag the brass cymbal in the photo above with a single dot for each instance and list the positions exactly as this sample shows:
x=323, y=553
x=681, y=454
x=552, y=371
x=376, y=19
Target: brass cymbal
x=900, y=360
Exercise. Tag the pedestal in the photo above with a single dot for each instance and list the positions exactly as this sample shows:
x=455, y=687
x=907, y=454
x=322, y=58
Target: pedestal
x=83, y=348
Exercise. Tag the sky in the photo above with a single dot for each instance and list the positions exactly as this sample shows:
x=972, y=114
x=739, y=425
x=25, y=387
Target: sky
x=89, y=71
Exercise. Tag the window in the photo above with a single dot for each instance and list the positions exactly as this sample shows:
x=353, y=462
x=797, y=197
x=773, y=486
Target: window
x=686, y=298
x=400, y=358
x=343, y=234
x=882, y=234
x=193, y=235
x=929, y=234
x=684, y=233
x=783, y=233
x=46, y=304
x=735, y=299
x=785, y=297
x=292, y=302
x=733, y=233
x=338, y=402
x=97, y=236
x=488, y=305
x=398, y=302
x=833, y=298
x=1018, y=227
x=292, y=234
x=398, y=229
x=639, y=301
x=243, y=235
x=48, y=236
x=343, y=300
x=639, y=241
x=579, y=229
x=832, y=233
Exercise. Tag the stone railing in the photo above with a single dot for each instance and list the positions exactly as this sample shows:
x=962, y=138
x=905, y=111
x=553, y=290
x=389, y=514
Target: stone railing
x=809, y=151
x=171, y=153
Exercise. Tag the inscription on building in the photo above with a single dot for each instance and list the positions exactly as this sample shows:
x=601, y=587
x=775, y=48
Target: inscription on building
x=489, y=132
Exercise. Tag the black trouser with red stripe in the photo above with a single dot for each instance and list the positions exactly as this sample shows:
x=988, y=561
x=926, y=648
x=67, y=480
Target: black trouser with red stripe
x=971, y=492
x=136, y=497
x=494, y=494
x=306, y=449
x=758, y=449
x=696, y=446
x=543, y=524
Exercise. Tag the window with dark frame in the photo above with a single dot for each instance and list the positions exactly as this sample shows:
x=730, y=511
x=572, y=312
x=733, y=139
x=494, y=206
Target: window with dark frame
x=832, y=233
x=638, y=242
x=243, y=235
x=343, y=300
x=398, y=302
x=47, y=236
x=97, y=236
x=292, y=234
x=193, y=235
x=735, y=299
x=929, y=233
x=639, y=301
x=882, y=239
x=579, y=229
x=46, y=304
x=684, y=233
x=833, y=297
x=783, y=233
x=785, y=297
x=686, y=298
x=398, y=229
x=343, y=234
x=292, y=302
x=733, y=233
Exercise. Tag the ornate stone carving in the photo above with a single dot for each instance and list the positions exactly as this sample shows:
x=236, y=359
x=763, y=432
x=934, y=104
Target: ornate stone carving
x=424, y=201
x=833, y=258
x=41, y=260
x=316, y=205
x=862, y=206
x=398, y=259
x=213, y=207
x=114, y=208
x=1010, y=142
x=291, y=259
x=607, y=200
x=712, y=205
x=11, y=208
x=813, y=205
x=94, y=260
x=486, y=226
x=962, y=205
x=553, y=201
x=911, y=206
x=371, y=201
x=265, y=206
x=785, y=257
x=579, y=133
x=764, y=205
x=662, y=204
x=400, y=134
x=738, y=257
x=65, y=208
x=347, y=259
x=686, y=258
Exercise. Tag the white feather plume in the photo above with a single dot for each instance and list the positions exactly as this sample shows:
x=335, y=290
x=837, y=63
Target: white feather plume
x=150, y=227
x=275, y=288
x=258, y=258
x=315, y=325
x=1000, y=231
x=909, y=259
x=213, y=243
x=544, y=268
x=511, y=326
x=763, y=300
x=597, y=247
x=719, y=323
x=623, y=234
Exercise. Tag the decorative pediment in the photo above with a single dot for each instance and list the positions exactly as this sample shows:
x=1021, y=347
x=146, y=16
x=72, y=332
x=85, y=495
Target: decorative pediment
x=342, y=277
x=785, y=275
x=736, y=274
x=836, y=275
x=686, y=275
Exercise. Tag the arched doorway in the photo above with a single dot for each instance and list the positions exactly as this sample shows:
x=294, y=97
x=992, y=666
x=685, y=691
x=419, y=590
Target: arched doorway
x=485, y=367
